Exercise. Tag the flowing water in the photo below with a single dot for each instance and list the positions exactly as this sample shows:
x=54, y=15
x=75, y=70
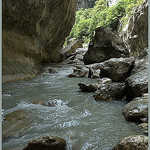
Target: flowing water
x=84, y=123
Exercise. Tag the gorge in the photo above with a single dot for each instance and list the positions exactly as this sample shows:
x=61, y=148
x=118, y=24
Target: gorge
x=79, y=97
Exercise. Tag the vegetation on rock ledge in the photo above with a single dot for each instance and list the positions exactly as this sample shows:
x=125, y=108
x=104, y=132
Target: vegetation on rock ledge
x=87, y=20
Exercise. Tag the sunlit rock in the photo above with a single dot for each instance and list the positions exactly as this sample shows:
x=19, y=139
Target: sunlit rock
x=133, y=142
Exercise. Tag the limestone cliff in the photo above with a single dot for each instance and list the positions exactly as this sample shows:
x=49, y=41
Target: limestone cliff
x=33, y=32
x=136, y=31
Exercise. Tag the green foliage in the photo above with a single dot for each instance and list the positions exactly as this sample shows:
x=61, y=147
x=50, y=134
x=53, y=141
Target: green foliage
x=87, y=20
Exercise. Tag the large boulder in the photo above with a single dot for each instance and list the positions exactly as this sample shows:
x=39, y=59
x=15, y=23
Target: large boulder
x=47, y=143
x=117, y=69
x=135, y=32
x=136, y=110
x=133, y=142
x=110, y=91
x=137, y=83
x=104, y=46
x=34, y=32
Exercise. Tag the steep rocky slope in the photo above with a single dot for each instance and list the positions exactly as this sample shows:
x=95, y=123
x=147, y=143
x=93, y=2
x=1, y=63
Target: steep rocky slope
x=135, y=32
x=85, y=3
x=34, y=31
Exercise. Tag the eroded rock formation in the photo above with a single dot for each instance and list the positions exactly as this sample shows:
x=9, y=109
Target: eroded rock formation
x=136, y=30
x=104, y=46
x=34, y=31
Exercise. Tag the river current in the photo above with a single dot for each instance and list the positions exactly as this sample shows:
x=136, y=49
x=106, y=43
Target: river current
x=84, y=123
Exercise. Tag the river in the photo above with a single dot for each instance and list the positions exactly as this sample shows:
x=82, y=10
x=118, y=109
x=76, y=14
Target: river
x=84, y=123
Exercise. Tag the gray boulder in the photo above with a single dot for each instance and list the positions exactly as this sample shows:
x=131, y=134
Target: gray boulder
x=15, y=123
x=111, y=91
x=133, y=142
x=104, y=46
x=117, y=69
x=137, y=83
x=136, y=110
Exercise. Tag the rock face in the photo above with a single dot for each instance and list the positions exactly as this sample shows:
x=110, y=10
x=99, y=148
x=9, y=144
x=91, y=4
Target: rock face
x=34, y=31
x=47, y=143
x=85, y=3
x=80, y=71
x=117, y=69
x=110, y=91
x=104, y=46
x=136, y=30
x=133, y=142
x=137, y=83
x=136, y=110
x=15, y=123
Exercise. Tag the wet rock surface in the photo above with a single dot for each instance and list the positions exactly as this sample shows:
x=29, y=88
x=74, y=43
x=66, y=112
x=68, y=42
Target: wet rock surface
x=136, y=110
x=110, y=91
x=80, y=71
x=104, y=46
x=47, y=143
x=15, y=123
x=133, y=142
x=117, y=69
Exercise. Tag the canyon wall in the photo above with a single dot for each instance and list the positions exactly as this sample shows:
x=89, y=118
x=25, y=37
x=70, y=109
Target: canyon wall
x=135, y=33
x=34, y=31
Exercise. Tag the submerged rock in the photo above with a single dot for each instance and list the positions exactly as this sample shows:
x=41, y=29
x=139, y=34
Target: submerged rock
x=47, y=143
x=133, y=142
x=49, y=103
x=111, y=91
x=104, y=46
x=136, y=110
x=15, y=123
